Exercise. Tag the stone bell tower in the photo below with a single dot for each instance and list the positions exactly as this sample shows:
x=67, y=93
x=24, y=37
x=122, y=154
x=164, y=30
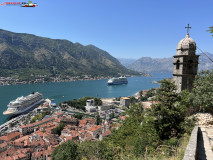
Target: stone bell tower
x=185, y=63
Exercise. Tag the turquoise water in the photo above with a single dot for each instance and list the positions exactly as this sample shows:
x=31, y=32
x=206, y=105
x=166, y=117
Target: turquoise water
x=68, y=90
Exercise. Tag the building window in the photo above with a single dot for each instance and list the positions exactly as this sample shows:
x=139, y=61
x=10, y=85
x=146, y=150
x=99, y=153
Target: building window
x=190, y=63
x=177, y=64
x=189, y=66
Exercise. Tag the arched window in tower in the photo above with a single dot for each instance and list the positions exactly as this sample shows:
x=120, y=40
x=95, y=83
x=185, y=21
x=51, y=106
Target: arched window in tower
x=189, y=66
x=177, y=64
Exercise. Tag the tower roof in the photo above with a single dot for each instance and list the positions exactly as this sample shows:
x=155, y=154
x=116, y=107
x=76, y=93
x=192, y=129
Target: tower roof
x=186, y=44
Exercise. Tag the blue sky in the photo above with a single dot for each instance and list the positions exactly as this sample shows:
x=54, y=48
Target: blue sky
x=124, y=28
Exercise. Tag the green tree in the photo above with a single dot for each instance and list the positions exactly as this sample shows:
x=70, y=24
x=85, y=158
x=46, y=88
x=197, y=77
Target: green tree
x=98, y=101
x=58, y=129
x=102, y=150
x=117, y=98
x=148, y=137
x=142, y=98
x=81, y=102
x=133, y=99
x=98, y=120
x=112, y=115
x=168, y=112
x=78, y=116
x=66, y=151
x=202, y=93
x=150, y=93
x=136, y=112
x=210, y=30
x=124, y=136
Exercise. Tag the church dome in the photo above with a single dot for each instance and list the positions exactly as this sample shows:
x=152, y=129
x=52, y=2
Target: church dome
x=186, y=44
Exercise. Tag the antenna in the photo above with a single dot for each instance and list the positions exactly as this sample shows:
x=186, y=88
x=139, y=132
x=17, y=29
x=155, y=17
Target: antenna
x=205, y=54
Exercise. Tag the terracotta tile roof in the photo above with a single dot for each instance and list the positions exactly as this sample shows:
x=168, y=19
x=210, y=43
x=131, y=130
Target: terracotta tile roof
x=21, y=155
x=106, y=133
x=3, y=138
x=38, y=154
x=82, y=131
x=38, y=141
x=3, y=145
x=81, y=125
x=13, y=153
x=38, y=123
x=49, y=124
x=9, y=158
x=94, y=128
x=88, y=136
x=8, y=151
x=123, y=117
x=20, y=144
x=84, y=121
x=74, y=133
x=68, y=138
x=60, y=113
x=39, y=133
x=90, y=120
x=10, y=136
x=27, y=142
x=22, y=139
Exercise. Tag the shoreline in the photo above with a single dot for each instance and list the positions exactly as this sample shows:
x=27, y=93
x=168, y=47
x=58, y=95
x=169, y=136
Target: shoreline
x=67, y=80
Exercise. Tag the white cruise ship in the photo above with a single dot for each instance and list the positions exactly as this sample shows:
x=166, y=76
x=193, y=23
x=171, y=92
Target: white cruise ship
x=117, y=81
x=22, y=104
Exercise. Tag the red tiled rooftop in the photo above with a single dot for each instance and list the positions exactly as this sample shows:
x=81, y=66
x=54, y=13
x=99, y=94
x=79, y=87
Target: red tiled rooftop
x=60, y=113
x=68, y=138
x=94, y=128
x=123, y=117
x=106, y=133
x=22, y=155
x=22, y=139
x=10, y=136
x=3, y=145
x=3, y=138
x=37, y=123
x=88, y=136
x=84, y=121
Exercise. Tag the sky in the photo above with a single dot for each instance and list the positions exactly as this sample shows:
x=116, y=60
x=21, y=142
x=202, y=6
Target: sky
x=123, y=28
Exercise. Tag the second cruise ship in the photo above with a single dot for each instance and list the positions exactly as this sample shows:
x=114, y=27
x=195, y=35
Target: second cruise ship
x=117, y=81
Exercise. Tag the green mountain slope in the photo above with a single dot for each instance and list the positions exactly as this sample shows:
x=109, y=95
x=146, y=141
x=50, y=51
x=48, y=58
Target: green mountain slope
x=22, y=54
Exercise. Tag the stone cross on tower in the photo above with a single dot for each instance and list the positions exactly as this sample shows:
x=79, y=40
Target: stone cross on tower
x=188, y=29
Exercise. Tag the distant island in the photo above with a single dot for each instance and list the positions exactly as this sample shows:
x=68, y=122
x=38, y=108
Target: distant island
x=26, y=58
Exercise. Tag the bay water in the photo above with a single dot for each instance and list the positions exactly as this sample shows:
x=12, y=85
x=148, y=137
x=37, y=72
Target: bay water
x=63, y=91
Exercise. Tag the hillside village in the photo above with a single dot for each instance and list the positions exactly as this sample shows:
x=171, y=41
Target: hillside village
x=33, y=79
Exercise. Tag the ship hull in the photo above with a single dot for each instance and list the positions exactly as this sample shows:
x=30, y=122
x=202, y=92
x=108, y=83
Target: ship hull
x=22, y=111
x=114, y=83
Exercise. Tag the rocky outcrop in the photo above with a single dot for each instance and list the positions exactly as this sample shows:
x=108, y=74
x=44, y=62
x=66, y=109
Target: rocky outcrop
x=204, y=119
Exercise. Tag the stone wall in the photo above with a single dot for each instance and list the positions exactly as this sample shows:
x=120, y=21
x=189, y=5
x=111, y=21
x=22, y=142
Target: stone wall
x=191, y=150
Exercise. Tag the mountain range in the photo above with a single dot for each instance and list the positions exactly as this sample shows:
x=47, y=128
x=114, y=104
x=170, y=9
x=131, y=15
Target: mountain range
x=163, y=65
x=24, y=54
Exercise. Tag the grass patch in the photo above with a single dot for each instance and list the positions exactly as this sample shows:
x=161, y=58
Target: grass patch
x=171, y=153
